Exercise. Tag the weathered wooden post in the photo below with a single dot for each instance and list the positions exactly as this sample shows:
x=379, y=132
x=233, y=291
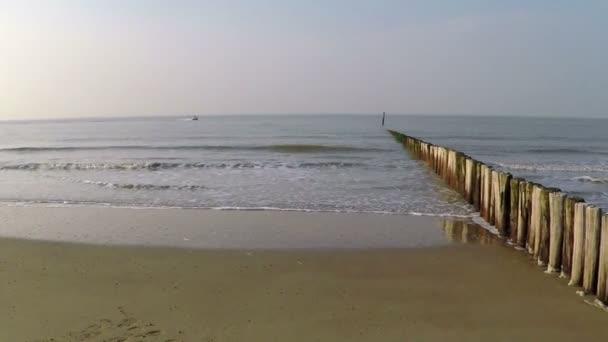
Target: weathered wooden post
x=493, y=193
x=568, y=244
x=484, y=193
x=469, y=183
x=423, y=149
x=437, y=160
x=461, y=171
x=592, y=245
x=477, y=188
x=556, y=230
x=545, y=222
x=602, y=277
x=454, y=173
x=578, y=245
x=522, y=215
x=489, y=207
x=449, y=169
x=533, y=242
x=441, y=163
x=501, y=201
x=444, y=164
x=514, y=208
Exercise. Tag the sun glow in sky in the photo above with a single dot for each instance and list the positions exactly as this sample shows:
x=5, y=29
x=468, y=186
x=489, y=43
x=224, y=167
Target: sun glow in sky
x=69, y=58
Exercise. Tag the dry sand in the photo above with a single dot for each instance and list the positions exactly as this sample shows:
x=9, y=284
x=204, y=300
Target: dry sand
x=55, y=291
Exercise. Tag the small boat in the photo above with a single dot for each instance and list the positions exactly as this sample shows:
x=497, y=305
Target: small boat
x=194, y=118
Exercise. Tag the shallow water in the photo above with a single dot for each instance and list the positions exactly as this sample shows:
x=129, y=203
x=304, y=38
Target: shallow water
x=317, y=163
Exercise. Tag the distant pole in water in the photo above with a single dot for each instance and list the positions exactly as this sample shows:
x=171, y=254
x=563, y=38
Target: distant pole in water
x=383, y=116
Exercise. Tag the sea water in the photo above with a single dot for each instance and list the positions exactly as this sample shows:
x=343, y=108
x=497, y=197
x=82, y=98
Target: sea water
x=345, y=163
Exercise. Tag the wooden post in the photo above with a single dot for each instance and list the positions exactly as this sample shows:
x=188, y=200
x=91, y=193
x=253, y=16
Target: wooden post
x=450, y=170
x=556, y=230
x=522, y=219
x=533, y=241
x=578, y=245
x=422, y=151
x=488, y=190
x=455, y=156
x=477, y=187
x=493, y=191
x=602, y=277
x=469, y=183
x=501, y=201
x=568, y=244
x=444, y=163
x=463, y=175
x=529, y=189
x=545, y=221
x=522, y=215
x=514, y=208
x=433, y=159
x=592, y=245
x=438, y=161
x=485, y=192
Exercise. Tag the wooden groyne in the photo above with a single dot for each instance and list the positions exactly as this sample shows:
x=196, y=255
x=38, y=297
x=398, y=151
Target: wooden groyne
x=562, y=233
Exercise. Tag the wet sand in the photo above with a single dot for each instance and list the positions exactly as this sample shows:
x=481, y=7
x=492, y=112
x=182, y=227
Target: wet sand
x=53, y=291
x=223, y=229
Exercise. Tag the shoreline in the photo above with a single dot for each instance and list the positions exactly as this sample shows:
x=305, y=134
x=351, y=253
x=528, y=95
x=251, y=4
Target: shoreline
x=65, y=204
x=221, y=229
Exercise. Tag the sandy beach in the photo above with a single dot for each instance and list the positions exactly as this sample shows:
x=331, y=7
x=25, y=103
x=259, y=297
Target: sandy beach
x=57, y=291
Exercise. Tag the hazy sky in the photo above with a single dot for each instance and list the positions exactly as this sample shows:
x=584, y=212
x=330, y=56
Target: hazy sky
x=149, y=57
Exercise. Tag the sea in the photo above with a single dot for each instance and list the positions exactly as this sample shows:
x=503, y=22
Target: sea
x=334, y=163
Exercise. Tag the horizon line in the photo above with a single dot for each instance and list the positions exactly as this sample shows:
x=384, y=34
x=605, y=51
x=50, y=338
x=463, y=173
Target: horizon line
x=185, y=115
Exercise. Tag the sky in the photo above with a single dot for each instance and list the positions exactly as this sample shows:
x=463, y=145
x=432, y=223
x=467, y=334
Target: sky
x=77, y=58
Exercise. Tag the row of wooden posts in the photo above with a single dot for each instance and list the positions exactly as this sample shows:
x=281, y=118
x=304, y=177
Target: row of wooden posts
x=561, y=232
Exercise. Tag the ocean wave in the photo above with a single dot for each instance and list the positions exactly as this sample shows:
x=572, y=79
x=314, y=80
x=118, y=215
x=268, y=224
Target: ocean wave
x=554, y=167
x=589, y=179
x=156, y=166
x=51, y=203
x=562, y=150
x=281, y=148
x=468, y=137
x=129, y=186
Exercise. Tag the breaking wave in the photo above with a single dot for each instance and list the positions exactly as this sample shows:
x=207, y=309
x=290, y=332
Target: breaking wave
x=128, y=186
x=155, y=166
x=62, y=203
x=555, y=167
x=563, y=150
x=285, y=148
x=588, y=179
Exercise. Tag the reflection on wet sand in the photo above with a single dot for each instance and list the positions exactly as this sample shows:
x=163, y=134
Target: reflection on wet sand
x=469, y=232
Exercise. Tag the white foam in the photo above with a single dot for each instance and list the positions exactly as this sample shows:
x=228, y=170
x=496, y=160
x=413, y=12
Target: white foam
x=589, y=179
x=482, y=223
x=554, y=167
x=139, y=206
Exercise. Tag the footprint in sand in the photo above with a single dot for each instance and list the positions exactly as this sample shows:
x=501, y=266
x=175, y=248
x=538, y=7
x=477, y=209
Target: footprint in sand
x=127, y=329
